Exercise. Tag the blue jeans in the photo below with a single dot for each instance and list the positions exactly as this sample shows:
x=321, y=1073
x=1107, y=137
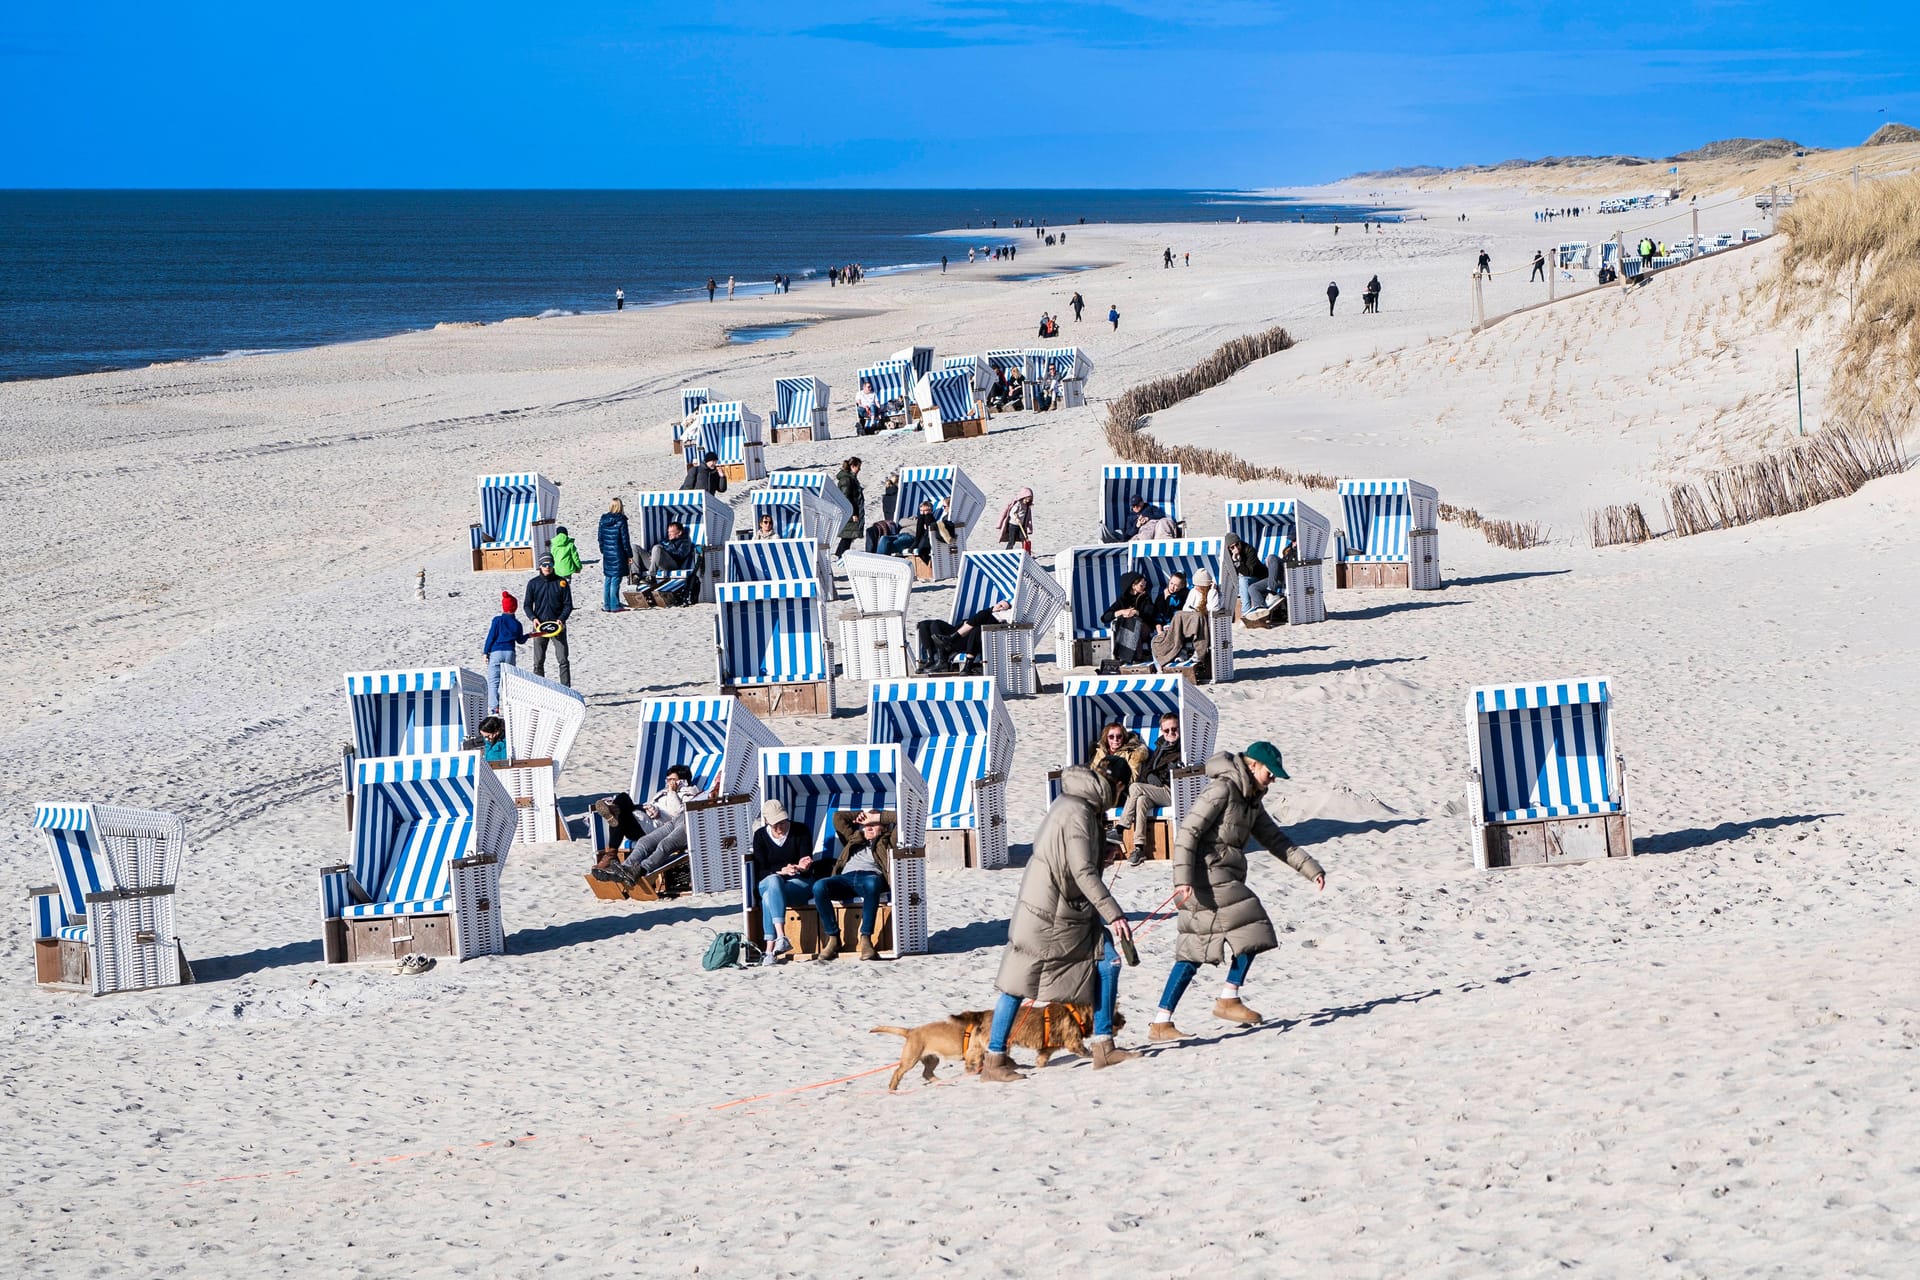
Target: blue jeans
x=1183, y=971
x=1256, y=592
x=1109, y=970
x=610, y=597
x=867, y=886
x=497, y=659
x=892, y=544
x=777, y=893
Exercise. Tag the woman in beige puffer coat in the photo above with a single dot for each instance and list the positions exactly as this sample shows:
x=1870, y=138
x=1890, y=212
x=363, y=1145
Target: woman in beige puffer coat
x=1220, y=917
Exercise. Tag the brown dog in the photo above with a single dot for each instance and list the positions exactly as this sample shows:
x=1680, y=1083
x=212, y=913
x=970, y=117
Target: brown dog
x=1046, y=1031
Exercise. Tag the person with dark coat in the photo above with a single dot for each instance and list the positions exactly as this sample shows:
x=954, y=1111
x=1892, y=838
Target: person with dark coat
x=784, y=871
x=706, y=475
x=1130, y=618
x=616, y=553
x=1152, y=788
x=848, y=482
x=548, y=603
x=1078, y=304
x=673, y=554
x=1539, y=266
x=1221, y=921
x=1061, y=941
x=862, y=871
x=1333, y=295
x=942, y=642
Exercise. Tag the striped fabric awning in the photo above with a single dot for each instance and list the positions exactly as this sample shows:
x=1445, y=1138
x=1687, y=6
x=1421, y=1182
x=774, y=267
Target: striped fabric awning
x=891, y=379
x=1543, y=750
x=1159, y=559
x=511, y=504
x=1068, y=362
x=1121, y=483
x=707, y=520
x=796, y=399
x=1007, y=359
x=919, y=359
x=797, y=513
x=726, y=427
x=412, y=815
x=1138, y=702
x=1380, y=514
x=691, y=398
x=1272, y=526
x=1093, y=577
x=955, y=731
x=950, y=393
x=773, y=560
x=716, y=738
x=397, y=713
x=771, y=633
x=987, y=576
x=815, y=783
x=818, y=483
x=97, y=847
x=954, y=496
x=79, y=859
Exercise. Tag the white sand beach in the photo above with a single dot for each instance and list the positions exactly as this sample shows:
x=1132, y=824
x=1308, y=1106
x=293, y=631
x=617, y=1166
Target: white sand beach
x=1698, y=1061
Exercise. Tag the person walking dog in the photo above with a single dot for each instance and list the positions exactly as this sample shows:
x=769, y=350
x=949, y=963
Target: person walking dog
x=1061, y=942
x=1220, y=918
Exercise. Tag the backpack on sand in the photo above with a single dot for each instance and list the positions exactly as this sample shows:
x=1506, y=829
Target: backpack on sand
x=723, y=952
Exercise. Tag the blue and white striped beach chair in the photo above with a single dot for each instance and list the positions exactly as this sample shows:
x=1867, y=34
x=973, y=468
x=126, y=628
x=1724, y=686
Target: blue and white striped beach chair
x=107, y=921
x=977, y=368
x=779, y=560
x=873, y=643
x=798, y=515
x=408, y=713
x=1073, y=367
x=720, y=741
x=691, y=399
x=815, y=783
x=961, y=740
x=1007, y=650
x=543, y=717
x=955, y=499
x=731, y=431
x=1159, y=559
x=892, y=381
x=799, y=410
x=1003, y=361
x=773, y=651
x=430, y=839
x=1138, y=702
x=919, y=359
x=820, y=484
x=708, y=522
x=1089, y=578
x=517, y=515
x=1548, y=785
x=1392, y=538
x=949, y=409
x=1297, y=534
x=1120, y=483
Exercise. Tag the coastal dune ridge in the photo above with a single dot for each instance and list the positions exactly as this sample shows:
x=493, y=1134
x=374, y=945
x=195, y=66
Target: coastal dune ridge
x=1693, y=1061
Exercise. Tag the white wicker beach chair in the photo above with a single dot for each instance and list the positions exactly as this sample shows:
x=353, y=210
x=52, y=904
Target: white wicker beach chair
x=873, y=641
x=107, y=922
x=543, y=717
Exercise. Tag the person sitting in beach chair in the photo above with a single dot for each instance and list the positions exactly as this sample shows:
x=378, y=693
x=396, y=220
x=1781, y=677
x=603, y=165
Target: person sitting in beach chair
x=785, y=871
x=1149, y=519
x=1181, y=639
x=867, y=411
x=764, y=528
x=667, y=841
x=1131, y=619
x=862, y=870
x=942, y=644
x=1263, y=583
x=673, y=565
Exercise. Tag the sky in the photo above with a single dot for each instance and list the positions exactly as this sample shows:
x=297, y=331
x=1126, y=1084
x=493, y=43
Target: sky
x=949, y=93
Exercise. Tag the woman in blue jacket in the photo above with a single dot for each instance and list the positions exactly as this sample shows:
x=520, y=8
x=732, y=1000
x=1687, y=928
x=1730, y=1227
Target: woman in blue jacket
x=616, y=553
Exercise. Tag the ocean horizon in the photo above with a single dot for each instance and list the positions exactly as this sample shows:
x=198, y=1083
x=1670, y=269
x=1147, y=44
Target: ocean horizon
x=97, y=280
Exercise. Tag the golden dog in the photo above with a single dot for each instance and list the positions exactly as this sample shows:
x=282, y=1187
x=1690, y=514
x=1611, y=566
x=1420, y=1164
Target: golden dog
x=963, y=1036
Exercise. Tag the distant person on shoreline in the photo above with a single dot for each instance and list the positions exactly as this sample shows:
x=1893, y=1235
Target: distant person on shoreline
x=1333, y=295
x=619, y=299
x=1078, y=304
x=729, y=288
x=1187, y=258
x=712, y=286
x=1113, y=318
x=943, y=264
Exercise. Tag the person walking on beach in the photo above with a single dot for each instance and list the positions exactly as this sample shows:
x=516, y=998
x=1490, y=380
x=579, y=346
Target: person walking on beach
x=1167, y=257
x=548, y=602
x=1221, y=921
x=1333, y=295
x=497, y=650
x=1187, y=258
x=848, y=482
x=1539, y=267
x=616, y=554
x=711, y=286
x=1113, y=318
x=1078, y=304
x=729, y=288
x=1061, y=941
x=1373, y=294
x=1486, y=264
x=1016, y=522
x=943, y=264
x=619, y=299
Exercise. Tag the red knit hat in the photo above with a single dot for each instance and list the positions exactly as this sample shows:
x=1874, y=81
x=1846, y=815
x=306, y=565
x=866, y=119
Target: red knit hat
x=507, y=603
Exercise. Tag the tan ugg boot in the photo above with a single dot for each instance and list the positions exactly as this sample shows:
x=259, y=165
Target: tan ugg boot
x=832, y=948
x=1233, y=1011
x=867, y=950
x=1000, y=1069
x=1164, y=1033
x=1106, y=1053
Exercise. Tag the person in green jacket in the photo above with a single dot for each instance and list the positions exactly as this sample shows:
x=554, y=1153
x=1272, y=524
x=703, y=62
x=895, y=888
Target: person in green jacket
x=565, y=552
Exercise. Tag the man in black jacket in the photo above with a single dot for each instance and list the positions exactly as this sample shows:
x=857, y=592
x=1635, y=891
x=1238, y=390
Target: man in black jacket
x=784, y=870
x=706, y=474
x=673, y=554
x=548, y=600
x=1153, y=789
x=942, y=642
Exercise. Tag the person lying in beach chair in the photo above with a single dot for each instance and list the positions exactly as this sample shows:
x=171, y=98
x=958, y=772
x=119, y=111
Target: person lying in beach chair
x=667, y=841
x=672, y=566
x=1181, y=639
x=1150, y=523
x=943, y=645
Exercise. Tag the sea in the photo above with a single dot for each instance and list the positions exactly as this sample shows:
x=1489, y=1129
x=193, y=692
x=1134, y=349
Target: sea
x=96, y=280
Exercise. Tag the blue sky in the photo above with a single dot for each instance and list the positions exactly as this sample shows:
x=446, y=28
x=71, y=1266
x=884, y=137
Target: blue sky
x=488, y=93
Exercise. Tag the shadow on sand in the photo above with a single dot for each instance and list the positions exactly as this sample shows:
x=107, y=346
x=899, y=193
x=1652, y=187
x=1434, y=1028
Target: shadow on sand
x=1703, y=837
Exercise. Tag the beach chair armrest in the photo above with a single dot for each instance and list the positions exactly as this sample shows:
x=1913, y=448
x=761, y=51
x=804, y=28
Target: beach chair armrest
x=123, y=895
x=44, y=902
x=356, y=892
x=474, y=535
x=477, y=860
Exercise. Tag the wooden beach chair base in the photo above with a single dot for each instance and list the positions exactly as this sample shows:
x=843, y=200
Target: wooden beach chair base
x=651, y=888
x=963, y=428
x=802, y=928
x=1159, y=840
x=500, y=559
x=1364, y=577
x=809, y=698
x=385, y=939
x=1556, y=840
x=792, y=435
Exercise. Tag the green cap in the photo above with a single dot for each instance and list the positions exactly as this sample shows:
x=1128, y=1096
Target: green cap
x=1267, y=754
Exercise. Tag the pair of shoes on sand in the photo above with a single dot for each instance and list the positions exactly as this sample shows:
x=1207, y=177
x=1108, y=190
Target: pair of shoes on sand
x=867, y=950
x=1225, y=1010
x=414, y=964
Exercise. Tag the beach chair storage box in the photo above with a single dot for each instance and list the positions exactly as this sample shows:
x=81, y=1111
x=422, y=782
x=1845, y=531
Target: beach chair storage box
x=873, y=641
x=517, y=516
x=955, y=498
x=107, y=923
x=720, y=741
x=799, y=410
x=1138, y=702
x=731, y=431
x=814, y=784
x=1297, y=534
x=709, y=524
x=1007, y=651
x=1392, y=535
x=1548, y=785
x=543, y=717
x=961, y=740
x=772, y=647
x=430, y=839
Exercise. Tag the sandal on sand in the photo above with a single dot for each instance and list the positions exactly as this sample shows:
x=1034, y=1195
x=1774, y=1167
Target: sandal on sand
x=414, y=964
